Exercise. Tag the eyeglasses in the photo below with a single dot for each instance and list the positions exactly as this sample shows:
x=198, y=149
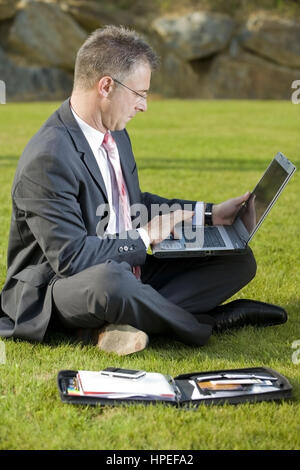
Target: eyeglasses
x=144, y=97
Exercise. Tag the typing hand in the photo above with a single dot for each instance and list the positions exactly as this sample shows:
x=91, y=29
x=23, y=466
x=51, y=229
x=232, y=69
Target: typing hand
x=225, y=212
x=161, y=226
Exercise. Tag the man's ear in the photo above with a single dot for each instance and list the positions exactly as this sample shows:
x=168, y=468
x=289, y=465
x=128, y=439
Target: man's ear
x=105, y=86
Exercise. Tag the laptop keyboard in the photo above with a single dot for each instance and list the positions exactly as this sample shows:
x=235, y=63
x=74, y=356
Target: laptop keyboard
x=212, y=237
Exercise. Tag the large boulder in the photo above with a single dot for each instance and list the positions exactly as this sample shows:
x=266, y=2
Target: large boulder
x=175, y=78
x=45, y=35
x=7, y=9
x=249, y=77
x=92, y=15
x=33, y=83
x=195, y=35
x=276, y=39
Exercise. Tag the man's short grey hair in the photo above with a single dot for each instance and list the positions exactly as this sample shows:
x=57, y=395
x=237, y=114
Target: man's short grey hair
x=113, y=51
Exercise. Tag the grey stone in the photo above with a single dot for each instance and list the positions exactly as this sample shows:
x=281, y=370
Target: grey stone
x=92, y=15
x=195, y=35
x=276, y=39
x=175, y=78
x=33, y=83
x=45, y=35
x=7, y=9
x=249, y=77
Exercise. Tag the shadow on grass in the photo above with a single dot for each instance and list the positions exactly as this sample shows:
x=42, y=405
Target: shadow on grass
x=9, y=160
x=162, y=344
x=204, y=164
x=200, y=163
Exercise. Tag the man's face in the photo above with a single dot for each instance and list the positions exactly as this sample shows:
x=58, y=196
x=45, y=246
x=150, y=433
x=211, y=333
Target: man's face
x=122, y=103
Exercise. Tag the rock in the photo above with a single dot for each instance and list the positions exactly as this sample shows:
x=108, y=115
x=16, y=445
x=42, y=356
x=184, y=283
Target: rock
x=175, y=78
x=249, y=77
x=92, y=15
x=45, y=35
x=7, y=9
x=203, y=54
x=276, y=39
x=33, y=83
x=195, y=35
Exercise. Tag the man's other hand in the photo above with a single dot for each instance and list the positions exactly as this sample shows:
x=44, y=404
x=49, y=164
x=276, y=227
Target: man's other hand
x=160, y=227
x=225, y=212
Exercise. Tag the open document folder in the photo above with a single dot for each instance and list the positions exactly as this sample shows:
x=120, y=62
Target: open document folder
x=192, y=389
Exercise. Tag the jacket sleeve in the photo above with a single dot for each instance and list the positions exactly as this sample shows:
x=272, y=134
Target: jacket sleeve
x=53, y=215
x=157, y=205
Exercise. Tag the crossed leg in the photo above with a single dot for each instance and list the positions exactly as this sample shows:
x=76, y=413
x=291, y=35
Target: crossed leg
x=163, y=302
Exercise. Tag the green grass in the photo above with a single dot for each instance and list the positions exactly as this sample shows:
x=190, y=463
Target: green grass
x=192, y=149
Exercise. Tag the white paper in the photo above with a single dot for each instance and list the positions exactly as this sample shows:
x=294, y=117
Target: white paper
x=151, y=384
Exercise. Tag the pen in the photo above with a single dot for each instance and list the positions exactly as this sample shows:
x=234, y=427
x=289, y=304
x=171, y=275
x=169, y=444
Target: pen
x=236, y=376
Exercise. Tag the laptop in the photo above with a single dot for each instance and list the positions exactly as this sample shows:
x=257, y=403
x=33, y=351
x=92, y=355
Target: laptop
x=195, y=240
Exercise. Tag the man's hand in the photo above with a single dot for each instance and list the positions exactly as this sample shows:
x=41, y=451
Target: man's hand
x=160, y=227
x=225, y=213
x=249, y=215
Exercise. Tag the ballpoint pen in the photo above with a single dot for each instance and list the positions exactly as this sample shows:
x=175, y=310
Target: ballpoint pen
x=236, y=376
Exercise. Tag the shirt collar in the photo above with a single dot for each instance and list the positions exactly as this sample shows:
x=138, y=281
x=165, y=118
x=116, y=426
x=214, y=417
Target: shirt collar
x=93, y=136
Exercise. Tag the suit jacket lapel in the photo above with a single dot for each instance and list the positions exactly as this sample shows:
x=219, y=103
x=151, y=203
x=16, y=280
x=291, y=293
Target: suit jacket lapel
x=92, y=165
x=82, y=145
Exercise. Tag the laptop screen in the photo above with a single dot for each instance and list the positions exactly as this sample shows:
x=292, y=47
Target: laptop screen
x=263, y=196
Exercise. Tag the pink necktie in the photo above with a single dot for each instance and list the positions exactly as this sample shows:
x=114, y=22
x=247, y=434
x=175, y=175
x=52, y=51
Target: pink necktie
x=112, y=151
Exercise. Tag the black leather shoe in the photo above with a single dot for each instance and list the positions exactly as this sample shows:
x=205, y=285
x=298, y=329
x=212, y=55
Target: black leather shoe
x=245, y=312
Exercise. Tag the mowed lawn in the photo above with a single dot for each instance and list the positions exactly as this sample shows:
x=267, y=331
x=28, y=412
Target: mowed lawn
x=202, y=150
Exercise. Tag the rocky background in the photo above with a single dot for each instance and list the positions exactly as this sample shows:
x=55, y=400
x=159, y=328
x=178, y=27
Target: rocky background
x=207, y=49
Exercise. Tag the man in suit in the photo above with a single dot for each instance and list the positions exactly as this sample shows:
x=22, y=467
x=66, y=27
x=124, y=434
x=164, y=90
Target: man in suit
x=74, y=254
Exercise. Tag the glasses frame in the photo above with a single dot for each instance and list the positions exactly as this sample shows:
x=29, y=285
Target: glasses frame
x=133, y=91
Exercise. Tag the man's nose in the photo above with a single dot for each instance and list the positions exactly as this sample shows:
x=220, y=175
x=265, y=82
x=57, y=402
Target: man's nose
x=142, y=105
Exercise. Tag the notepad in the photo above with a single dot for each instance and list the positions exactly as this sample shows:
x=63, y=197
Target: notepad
x=93, y=383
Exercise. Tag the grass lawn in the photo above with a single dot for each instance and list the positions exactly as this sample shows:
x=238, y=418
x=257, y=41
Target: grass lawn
x=196, y=150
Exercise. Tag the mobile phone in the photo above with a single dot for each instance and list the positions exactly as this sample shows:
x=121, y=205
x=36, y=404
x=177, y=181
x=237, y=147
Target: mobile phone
x=124, y=373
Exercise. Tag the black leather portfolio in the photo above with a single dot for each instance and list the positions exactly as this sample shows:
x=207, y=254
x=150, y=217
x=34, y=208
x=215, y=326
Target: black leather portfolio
x=216, y=387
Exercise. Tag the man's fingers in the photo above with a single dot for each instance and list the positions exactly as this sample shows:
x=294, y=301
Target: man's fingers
x=252, y=202
x=188, y=214
x=245, y=196
x=176, y=234
x=160, y=227
x=181, y=215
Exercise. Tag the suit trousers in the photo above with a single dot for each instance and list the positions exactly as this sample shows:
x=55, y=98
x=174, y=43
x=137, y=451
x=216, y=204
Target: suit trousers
x=173, y=297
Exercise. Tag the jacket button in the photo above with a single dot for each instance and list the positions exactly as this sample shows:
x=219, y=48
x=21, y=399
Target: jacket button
x=120, y=249
x=125, y=248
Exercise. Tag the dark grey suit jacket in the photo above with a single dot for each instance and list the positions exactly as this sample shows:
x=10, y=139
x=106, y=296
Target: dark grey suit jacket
x=56, y=192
